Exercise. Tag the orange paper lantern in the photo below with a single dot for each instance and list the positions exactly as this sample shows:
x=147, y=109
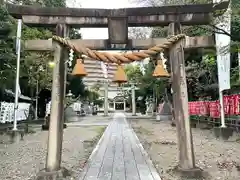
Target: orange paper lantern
x=79, y=69
x=159, y=70
x=120, y=76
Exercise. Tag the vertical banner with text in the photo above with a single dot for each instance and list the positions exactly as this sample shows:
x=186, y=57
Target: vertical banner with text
x=223, y=26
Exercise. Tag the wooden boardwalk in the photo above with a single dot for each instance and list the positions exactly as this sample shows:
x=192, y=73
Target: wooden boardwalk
x=119, y=155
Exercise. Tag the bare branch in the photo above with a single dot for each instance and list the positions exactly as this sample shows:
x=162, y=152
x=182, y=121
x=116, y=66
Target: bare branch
x=214, y=29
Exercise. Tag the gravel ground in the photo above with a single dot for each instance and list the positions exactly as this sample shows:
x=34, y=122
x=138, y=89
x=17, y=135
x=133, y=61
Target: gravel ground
x=219, y=159
x=22, y=161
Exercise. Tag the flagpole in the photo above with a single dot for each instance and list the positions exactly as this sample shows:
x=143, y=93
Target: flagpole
x=223, y=124
x=18, y=46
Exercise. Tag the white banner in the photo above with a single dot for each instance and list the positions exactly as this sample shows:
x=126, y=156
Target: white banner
x=223, y=48
x=104, y=70
x=19, y=33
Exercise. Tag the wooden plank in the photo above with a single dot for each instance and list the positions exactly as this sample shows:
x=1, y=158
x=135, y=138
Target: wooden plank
x=133, y=21
x=199, y=42
x=108, y=160
x=38, y=45
x=17, y=10
x=118, y=166
x=193, y=14
x=122, y=156
x=142, y=166
x=94, y=165
x=137, y=44
x=129, y=160
x=148, y=161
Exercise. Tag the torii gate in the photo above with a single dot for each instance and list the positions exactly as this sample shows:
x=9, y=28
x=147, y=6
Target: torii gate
x=117, y=21
x=133, y=88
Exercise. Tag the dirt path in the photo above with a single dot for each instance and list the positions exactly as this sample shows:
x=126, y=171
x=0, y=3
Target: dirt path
x=22, y=161
x=220, y=160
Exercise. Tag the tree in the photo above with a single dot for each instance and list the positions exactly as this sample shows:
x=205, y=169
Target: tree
x=133, y=73
x=31, y=62
x=201, y=67
x=97, y=86
x=148, y=85
x=7, y=53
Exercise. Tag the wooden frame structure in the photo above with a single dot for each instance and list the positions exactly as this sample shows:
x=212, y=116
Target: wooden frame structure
x=136, y=44
x=117, y=21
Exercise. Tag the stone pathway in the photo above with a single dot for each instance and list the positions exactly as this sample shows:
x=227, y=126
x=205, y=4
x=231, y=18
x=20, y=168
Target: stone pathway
x=88, y=121
x=119, y=155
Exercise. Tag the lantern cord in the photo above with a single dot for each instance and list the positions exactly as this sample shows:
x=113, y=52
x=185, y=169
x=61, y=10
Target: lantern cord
x=118, y=58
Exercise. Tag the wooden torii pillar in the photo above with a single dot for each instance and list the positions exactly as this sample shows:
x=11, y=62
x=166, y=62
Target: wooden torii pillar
x=55, y=134
x=118, y=21
x=180, y=102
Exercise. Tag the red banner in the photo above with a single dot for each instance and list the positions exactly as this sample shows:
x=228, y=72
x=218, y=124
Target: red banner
x=212, y=108
x=204, y=108
x=234, y=104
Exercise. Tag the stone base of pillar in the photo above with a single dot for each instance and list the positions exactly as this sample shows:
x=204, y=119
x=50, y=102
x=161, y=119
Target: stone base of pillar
x=134, y=114
x=190, y=173
x=15, y=136
x=53, y=175
x=45, y=127
x=223, y=132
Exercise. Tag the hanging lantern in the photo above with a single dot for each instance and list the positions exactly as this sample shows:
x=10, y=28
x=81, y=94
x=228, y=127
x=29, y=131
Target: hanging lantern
x=79, y=69
x=160, y=71
x=120, y=76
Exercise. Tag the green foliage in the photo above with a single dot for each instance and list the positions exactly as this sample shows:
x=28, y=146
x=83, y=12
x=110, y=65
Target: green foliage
x=201, y=66
x=148, y=85
x=7, y=53
x=76, y=86
x=34, y=65
x=133, y=73
x=92, y=96
x=96, y=87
